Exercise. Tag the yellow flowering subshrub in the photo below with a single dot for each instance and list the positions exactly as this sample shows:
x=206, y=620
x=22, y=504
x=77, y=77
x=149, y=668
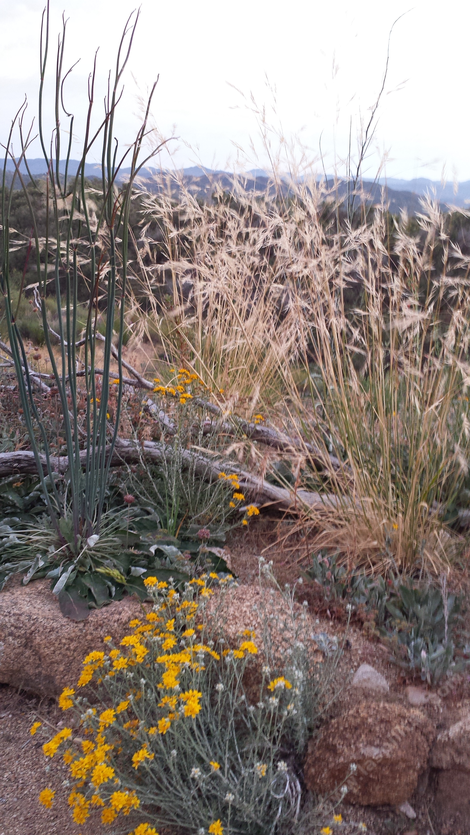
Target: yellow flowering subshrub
x=167, y=733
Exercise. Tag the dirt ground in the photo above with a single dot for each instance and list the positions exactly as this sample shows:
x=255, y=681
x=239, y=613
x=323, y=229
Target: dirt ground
x=24, y=771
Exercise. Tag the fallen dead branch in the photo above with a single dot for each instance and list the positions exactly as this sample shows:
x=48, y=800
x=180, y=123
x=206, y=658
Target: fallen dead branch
x=257, y=489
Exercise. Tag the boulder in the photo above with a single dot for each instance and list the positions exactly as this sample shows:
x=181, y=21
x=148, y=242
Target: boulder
x=283, y=634
x=41, y=651
x=383, y=746
x=367, y=678
x=451, y=749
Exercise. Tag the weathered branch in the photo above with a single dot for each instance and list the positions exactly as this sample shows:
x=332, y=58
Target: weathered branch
x=130, y=452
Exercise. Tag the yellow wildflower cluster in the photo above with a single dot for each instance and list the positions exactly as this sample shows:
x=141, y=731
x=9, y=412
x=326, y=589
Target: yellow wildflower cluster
x=185, y=379
x=258, y=419
x=237, y=497
x=115, y=737
x=50, y=748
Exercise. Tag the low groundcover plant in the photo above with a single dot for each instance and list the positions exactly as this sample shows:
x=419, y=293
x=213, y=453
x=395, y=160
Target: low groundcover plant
x=177, y=726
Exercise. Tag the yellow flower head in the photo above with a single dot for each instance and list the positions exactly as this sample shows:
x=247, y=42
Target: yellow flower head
x=101, y=774
x=108, y=815
x=50, y=748
x=163, y=725
x=279, y=683
x=149, y=582
x=34, y=728
x=216, y=828
x=81, y=813
x=144, y=829
x=93, y=657
x=215, y=766
x=46, y=797
x=65, y=702
x=141, y=755
x=107, y=717
x=326, y=830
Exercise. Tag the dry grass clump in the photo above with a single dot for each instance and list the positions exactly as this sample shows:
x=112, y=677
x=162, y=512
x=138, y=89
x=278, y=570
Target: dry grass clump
x=355, y=335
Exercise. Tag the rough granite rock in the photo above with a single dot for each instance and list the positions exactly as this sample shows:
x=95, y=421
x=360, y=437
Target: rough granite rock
x=277, y=629
x=40, y=650
x=263, y=610
x=367, y=678
x=387, y=742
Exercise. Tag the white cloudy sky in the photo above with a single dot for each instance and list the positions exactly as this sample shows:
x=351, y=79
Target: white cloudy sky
x=315, y=66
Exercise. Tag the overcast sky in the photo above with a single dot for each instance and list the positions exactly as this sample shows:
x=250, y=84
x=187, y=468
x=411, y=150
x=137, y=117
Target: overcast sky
x=316, y=68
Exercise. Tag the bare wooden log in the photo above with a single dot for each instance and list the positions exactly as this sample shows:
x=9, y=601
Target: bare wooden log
x=257, y=489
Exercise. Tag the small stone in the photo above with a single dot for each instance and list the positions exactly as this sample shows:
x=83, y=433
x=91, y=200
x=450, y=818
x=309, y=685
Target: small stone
x=367, y=678
x=418, y=697
x=407, y=810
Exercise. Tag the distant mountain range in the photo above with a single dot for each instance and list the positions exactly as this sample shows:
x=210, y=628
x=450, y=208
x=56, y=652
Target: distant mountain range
x=200, y=182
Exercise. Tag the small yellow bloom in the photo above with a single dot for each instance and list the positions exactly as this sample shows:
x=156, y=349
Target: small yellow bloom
x=94, y=657
x=149, y=582
x=86, y=676
x=101, y=774
x=65, y=702
x=326, y=830
x=279, y=683
x=107, y=717
x=238, y=496
x=122, y=706
x=261, y=769
x=81, y=813
x=215, y=766
x=249, y=646
x=96, y=800
x=141, y=755
x=163, y=725
x=120, y=663
x=46, y=797
x=50, y=748
x=108, y=815
x=216, y=828
x=34, y=728
x=338, y=818
x=144, y=829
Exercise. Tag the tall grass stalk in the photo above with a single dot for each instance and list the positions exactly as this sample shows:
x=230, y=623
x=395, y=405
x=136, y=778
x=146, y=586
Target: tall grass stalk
x=86, y=239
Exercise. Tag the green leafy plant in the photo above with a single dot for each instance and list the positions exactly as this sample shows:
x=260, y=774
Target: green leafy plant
x=420, y=624
x=421, y=627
